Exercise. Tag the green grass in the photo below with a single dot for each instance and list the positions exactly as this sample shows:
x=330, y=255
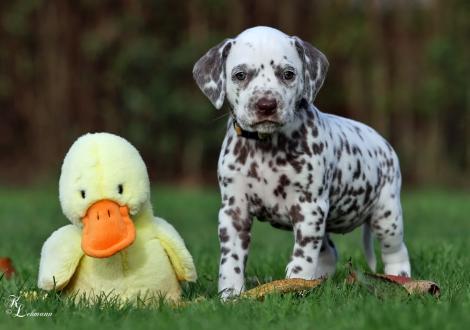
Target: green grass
x=437, y=229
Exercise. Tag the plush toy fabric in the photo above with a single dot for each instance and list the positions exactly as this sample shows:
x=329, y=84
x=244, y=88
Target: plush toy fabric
x=114, y=245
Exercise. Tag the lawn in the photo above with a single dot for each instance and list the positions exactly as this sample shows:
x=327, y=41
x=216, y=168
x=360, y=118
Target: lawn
x=437, y=231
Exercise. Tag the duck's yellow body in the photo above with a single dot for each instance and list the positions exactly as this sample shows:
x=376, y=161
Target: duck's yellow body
x=142, y=270
x=152, y=266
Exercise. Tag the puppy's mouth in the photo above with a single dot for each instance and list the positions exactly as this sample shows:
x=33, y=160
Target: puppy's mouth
x=266, y=126
x=266, y=122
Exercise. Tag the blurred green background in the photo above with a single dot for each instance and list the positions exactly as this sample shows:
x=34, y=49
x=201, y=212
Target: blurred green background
x=70, y=67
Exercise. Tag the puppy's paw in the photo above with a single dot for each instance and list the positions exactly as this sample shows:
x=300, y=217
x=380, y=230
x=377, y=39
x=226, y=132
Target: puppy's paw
x=398, y=269
x=229, y=293
x=297, y=269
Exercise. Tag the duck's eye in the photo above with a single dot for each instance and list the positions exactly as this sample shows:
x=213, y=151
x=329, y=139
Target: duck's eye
x=82, y=192
x=240, y=75
x=288, y=75
x=120, y=189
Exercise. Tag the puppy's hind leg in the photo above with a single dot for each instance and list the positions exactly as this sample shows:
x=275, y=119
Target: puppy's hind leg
x=387, y=225
x=327, y=258
x=368, y=245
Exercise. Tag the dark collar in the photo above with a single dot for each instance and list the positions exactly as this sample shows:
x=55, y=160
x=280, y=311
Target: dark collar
x=248, y=134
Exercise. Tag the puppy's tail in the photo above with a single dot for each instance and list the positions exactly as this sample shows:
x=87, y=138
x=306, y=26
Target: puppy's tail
x=368, y=245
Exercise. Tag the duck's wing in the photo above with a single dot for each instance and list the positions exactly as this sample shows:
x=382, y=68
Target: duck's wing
x=60, y=256
x=174, y=246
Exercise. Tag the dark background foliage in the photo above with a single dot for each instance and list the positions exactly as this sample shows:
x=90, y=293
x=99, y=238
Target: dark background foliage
x=70, y=67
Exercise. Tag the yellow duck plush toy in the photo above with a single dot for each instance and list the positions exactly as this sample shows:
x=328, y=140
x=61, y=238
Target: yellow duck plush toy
x=114, y=245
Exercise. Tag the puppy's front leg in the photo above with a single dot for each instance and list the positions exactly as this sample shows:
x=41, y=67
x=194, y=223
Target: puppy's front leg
x=234, y=236
x=309, y=229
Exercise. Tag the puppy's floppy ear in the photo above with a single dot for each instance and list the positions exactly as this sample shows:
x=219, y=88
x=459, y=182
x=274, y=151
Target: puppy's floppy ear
x=209, y=72
x=315, y=68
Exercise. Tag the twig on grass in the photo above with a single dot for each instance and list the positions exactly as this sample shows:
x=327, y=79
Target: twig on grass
x=281, y=286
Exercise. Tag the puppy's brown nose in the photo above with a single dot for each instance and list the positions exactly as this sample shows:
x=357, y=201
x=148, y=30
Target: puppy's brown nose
x=266, y=107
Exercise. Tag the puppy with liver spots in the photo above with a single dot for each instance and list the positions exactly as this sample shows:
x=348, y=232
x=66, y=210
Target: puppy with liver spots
x=284, y=161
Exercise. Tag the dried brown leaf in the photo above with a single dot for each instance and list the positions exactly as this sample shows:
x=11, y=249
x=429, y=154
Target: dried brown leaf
x=6, y=267
x=411, y=285
x=422, y=286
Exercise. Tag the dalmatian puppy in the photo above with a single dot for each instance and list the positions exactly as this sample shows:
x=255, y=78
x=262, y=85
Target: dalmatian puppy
x=284, y=161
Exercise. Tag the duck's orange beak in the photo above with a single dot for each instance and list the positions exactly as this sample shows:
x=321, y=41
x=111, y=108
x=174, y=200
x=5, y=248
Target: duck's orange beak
x=107, y=229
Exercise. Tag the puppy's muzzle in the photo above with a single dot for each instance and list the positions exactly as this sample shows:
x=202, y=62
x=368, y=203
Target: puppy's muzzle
x=266, y=107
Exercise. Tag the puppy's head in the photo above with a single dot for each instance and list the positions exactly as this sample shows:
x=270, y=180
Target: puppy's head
x=265, y=76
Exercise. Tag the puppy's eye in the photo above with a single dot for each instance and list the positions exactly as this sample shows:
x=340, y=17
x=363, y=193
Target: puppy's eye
x=82, y=192
x=120, y=189
x=240, y=75
x=288, y=75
